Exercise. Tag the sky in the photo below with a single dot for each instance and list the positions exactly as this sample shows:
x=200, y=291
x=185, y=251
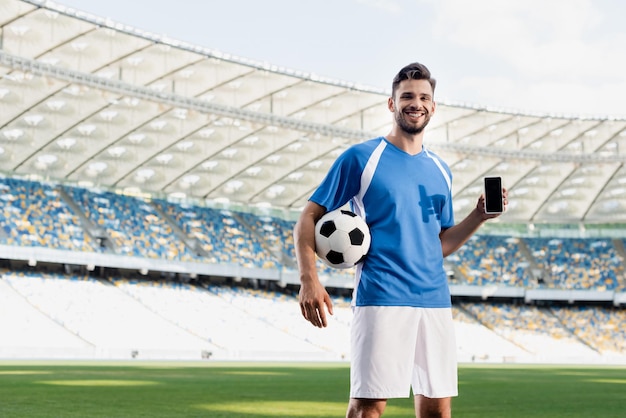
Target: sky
x=563, y=57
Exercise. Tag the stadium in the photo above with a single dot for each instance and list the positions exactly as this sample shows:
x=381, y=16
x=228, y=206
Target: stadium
x=150, y=189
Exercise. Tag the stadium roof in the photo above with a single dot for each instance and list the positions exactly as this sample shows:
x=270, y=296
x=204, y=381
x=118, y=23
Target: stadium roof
x=89, y=101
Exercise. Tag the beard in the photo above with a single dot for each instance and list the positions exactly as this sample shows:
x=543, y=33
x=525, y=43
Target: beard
x=411, y=128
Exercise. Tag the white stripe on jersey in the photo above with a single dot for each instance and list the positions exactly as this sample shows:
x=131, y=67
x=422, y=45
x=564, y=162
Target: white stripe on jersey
x=357, y=201
x=443, y=170
x=366, y=178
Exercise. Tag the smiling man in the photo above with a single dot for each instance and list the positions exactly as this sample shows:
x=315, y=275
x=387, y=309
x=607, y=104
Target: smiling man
x=402, y=334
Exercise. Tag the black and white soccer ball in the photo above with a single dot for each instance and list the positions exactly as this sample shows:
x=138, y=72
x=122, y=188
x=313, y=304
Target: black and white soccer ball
x=342, y=239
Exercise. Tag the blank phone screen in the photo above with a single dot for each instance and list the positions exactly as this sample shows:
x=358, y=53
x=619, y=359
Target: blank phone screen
x=493, y=195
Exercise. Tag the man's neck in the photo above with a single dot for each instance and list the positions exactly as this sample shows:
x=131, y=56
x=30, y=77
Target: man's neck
x=411, y=144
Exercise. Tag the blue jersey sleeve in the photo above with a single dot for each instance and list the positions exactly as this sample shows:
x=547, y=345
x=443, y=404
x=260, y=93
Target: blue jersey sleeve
x=342, y=182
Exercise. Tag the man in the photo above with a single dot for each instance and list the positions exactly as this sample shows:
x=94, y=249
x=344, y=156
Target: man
x=402, y=334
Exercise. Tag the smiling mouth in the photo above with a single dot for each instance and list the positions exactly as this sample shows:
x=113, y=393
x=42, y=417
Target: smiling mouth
x=414, y=115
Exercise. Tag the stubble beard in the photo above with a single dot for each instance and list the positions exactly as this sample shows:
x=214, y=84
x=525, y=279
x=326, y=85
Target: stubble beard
x=409, y=128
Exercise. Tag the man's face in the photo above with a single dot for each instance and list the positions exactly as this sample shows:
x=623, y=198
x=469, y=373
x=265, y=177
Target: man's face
x=413, y=105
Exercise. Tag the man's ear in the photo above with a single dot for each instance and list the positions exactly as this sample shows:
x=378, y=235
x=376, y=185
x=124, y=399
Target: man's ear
x=390, y=104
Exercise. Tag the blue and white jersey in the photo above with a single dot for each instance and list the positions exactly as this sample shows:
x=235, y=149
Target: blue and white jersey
x=407, y=201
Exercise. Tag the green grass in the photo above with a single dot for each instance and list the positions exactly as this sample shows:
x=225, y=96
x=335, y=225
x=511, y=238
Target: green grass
x=264, y=390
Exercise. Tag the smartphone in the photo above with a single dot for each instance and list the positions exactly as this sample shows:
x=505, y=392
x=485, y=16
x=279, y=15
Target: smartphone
x=493, y=195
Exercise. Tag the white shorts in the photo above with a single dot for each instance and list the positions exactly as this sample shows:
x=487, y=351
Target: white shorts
x=396, y=348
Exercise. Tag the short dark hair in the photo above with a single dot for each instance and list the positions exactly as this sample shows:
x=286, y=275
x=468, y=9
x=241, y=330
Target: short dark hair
x=413, y=71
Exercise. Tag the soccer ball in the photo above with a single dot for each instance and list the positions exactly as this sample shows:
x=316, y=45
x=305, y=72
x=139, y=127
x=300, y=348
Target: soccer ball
x=342, y=239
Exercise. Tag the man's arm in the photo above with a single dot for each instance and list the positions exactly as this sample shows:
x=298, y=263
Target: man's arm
x=453, y=238
x=313, y=296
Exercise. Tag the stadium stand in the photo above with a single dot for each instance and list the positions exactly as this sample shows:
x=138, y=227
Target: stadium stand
x=226, y=319
x=279, y=236
x=148, y=212
x=493, y=260
x=74, y=316
x=533, y=329
x=29, y=333
x=133, y=225
x=220, y=234
x=34, y=214
x=476, y=342
x=600, y=327
x=578, y=263
x=95, y=312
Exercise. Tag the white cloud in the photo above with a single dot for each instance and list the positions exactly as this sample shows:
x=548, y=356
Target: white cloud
x=561, y=97
x=390, y=6
x=536, y=55
x=557, y=54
